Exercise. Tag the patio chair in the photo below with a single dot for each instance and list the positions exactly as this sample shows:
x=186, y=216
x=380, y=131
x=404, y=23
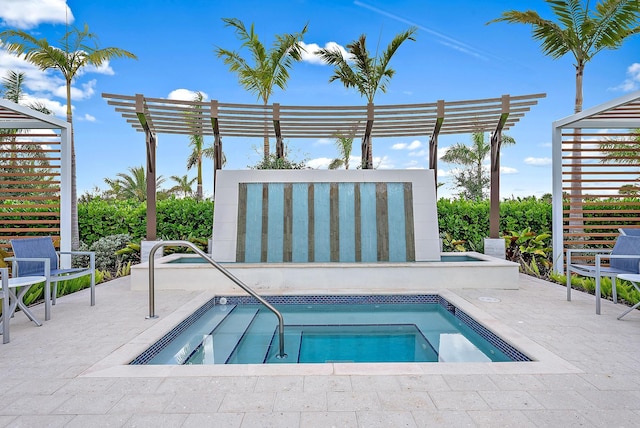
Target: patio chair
x=4, y=295
x=630, y=232
x=38, y=257
x=624, y=258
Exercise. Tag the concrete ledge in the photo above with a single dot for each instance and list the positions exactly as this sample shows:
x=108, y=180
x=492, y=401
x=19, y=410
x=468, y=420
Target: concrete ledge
x=287, y=278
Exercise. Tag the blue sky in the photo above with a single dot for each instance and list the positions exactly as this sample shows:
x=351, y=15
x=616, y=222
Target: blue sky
x=455, y=57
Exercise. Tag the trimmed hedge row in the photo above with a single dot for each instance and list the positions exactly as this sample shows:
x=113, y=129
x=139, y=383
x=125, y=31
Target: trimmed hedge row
x=183, y=218
x=176, y=219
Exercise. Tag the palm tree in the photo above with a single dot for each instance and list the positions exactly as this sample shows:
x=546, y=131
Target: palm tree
x=361, y=71
x=473, y=179
x=77, y=49
x=183, y=185
x=196, y=141
x=270, y=67
x=623, y=152
x=132, y=185
x=344, y=146
x=584, y=32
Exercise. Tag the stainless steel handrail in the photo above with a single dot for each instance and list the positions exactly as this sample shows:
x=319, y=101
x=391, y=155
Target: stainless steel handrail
x=225, y=272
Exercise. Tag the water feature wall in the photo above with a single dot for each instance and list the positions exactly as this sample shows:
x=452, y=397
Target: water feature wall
x=325, y=216
x=325, y=222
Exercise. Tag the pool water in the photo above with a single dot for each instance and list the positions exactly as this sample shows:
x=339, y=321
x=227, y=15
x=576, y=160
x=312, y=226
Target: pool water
x=237, y=333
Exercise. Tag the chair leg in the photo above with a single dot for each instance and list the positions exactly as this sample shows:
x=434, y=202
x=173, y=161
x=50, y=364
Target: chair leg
x=47, y=299
x=568, y=283
x=93, y=288
x=598, y=293
x=55, y=293
x=614, y=289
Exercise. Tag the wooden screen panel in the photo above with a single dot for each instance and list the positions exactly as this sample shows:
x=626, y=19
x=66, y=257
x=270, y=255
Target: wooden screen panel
x=29, y=186
x=603, y=195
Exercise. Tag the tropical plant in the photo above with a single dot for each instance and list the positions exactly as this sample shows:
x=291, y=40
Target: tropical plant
x=361, y=71
x=473, y=179
x=132, y=185
x=531, y=250
x=344, y=144
x=583, y=32
x=77, y=49
x=196, y=141
x=183, y=186
x=270, y=67
x=623, y=151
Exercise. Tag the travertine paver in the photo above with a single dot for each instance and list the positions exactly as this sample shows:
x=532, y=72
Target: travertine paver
x=49, y=375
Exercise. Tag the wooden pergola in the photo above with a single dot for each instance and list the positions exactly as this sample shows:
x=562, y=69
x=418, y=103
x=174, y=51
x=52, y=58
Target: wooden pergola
x=155, y=116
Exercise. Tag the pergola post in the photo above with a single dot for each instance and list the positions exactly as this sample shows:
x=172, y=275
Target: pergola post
x=433, y=140
x=494, y=201
x=217, y=143
x=150, y=140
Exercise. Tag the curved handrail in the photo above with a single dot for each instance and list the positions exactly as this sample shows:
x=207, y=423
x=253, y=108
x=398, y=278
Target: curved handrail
x=224, y=271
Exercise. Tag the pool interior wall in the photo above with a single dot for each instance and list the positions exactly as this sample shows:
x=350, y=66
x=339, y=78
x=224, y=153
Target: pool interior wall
x=504, y=347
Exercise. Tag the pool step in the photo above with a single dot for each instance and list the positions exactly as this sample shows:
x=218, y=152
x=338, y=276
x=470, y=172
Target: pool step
x=254, y=345
x=230, y=332
x=183, y=346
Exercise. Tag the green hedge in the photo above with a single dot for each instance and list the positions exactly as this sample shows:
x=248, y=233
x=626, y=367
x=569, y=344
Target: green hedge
x=176, y=219
x=469, y=220
x=183, y=218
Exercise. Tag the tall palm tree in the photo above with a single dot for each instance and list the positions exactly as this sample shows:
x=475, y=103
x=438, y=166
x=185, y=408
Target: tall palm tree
x=132, y=185
x=344, y=145
x=196, y=141
x=473, y=179
x=362, y=71
x=583, y=32
x=183, y=185
x=266, y=68
x=77, y=49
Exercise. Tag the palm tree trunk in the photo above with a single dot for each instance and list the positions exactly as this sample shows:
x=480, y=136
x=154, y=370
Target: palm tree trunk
x=75, y=233
x=576, y=169
x=199, y=189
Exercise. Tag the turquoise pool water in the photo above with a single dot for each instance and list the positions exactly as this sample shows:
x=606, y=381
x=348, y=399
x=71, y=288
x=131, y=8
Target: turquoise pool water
x=319, y=332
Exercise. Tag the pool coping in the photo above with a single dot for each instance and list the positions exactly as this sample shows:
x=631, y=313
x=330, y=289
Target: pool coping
x=117, y=363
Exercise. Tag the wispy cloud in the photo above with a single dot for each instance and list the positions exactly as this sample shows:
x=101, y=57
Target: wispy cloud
x=632, y=82
x=538, y=161
x=443, y=39
x=508, y=170
x=182, y=94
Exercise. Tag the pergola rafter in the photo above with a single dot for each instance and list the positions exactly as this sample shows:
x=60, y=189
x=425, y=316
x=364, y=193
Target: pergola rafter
x=164, y=116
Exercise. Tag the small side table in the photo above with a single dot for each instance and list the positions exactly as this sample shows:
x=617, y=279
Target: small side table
x=634, y=279
x=22, y=285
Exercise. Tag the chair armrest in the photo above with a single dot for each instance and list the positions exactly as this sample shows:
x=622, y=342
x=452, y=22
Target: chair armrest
x=599, y=258
x=45, y=260
x=594, y=250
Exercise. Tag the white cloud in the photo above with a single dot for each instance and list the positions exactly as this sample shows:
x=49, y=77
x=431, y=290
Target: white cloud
x=322, y=141
x=415, y=144
x=382, y=162
x=89, y=118
x=443, y=173
x=632, y=82
x=538, y=161
x=508, y=170
x=105, y=68
x=419, y=154
x=185, y=95
x=319, y=163
x=309, y=52
x=25, y=14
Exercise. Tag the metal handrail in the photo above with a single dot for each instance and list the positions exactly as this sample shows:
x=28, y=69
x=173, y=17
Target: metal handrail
x=225, y=272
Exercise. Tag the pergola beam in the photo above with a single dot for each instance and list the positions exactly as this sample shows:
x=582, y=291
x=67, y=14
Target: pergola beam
x=433, y=140
x=150, y=142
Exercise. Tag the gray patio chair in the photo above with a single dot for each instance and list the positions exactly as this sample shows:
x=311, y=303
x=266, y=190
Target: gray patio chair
x=38, y=257
x=630, y=232
x=624, y=258
x=4, y=295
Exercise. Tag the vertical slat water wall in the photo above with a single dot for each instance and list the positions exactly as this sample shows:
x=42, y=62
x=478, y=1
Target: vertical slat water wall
x=325, y=222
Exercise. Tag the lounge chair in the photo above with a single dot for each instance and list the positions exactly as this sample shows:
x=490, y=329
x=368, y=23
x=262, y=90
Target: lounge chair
x=624, y=258
x=38, y=257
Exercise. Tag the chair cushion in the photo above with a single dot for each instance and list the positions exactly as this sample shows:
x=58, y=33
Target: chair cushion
x=626, y=245
x=41, y=247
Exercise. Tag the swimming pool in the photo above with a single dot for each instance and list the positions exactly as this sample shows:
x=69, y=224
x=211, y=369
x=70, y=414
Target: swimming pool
x=320, y=329
x=447, y=258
